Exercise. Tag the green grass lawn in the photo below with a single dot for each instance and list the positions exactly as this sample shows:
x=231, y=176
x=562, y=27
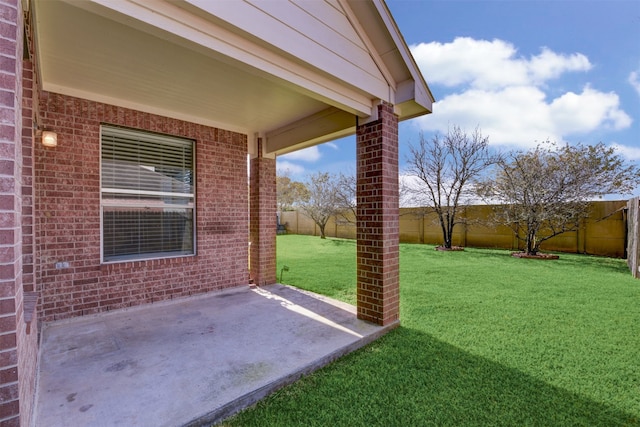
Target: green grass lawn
x=486, y=339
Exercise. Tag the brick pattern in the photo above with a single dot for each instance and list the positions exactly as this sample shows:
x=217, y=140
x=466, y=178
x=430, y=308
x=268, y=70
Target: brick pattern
x=67, y=214
x=27, y=339
x=378, y=293
x=28, y=136
x=263, y=219
x=17, y=364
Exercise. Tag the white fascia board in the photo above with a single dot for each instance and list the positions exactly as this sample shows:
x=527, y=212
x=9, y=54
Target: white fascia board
x=370, y=46
x=406, y=91
x=205, y=34
x=412, y=91
x=312, y=142
x=422, y=89
x=311, y=130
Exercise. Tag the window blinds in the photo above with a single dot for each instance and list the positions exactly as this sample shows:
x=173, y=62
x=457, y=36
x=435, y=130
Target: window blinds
x=147, y=183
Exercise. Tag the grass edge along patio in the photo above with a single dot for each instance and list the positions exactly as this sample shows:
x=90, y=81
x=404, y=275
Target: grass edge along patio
x=486, y=339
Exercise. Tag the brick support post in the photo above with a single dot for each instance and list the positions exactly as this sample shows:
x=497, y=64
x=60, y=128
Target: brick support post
x=17, y=347
x=29, y=98
x=378, y=290
x=262, y=217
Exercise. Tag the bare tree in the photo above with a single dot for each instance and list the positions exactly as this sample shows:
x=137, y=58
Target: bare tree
x=442, y=170
x=346, y=196
x=546, y=191
x=290, y=193
x=323, y=202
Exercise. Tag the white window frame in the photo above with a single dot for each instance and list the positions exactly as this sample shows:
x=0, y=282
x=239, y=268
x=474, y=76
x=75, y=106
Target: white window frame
x=147, y=199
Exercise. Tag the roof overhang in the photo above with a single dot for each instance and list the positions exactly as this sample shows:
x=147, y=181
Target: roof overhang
x=294, y=73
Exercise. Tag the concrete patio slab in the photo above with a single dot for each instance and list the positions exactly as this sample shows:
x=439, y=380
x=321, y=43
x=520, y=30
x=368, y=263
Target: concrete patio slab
x=193, y=361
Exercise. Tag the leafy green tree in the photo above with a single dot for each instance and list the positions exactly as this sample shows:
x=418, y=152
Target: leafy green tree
x=546, y=191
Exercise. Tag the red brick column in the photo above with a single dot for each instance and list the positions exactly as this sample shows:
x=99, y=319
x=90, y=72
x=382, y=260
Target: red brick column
x=378, y=220
x=29, y=98
x=28, y=337
x=262, y=218
x=17, y=348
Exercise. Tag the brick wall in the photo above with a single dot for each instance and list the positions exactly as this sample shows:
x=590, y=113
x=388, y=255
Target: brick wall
x=18, y=349
x=263, y=219
x=28, y=134
x=67, y=214
x=10, y=206
x=27, y=338
x=377, y=232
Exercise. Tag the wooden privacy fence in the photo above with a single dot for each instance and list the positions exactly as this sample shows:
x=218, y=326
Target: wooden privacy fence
x=604, y=233
x=633, y=222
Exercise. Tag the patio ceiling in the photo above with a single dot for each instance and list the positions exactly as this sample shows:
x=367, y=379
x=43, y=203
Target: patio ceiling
x=257, y=69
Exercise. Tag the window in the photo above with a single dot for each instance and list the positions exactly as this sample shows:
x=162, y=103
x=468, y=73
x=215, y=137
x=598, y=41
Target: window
x=147, y=195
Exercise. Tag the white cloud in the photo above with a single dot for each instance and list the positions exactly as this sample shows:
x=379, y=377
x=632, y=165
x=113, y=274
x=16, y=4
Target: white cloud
x=634, y=80
x=511, y=116
x=466, y=61
x=332, y=145
x=414, y=193
x=284, y=167
x=550, y=65
x=483, y=64
x=630, y=153
x=310, y=154
x=504, y=94
x=522, y=116
x=587, y=111
x=411, y=195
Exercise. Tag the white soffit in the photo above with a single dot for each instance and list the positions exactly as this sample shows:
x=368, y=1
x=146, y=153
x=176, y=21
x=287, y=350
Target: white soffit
x=297, y=71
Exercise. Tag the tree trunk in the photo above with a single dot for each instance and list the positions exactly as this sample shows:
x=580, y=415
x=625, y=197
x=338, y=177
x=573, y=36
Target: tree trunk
x=450, y=224
x=446, y=236
x=447, y=240
x=532, y=247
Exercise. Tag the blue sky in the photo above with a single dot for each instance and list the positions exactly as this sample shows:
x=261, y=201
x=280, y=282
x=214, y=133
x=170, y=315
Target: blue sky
x=522, y=71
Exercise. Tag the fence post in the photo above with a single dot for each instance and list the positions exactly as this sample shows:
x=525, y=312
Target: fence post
x=465, y=224
x=581, y=237
x=633, y=234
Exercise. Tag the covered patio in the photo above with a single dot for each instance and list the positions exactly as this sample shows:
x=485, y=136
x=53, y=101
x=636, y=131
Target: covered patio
x=129, y=128
x=192, y=361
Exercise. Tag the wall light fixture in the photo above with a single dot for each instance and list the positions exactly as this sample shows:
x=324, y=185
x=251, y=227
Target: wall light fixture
x=49, y=138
